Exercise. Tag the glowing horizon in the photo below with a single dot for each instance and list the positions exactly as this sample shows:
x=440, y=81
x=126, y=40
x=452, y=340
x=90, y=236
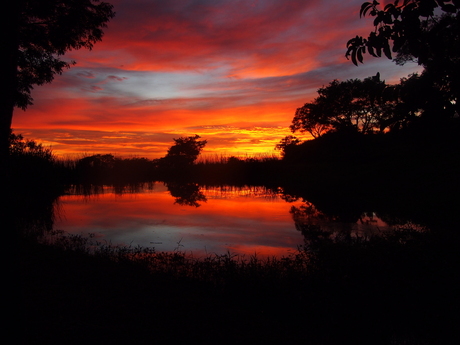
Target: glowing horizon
x=233, y=72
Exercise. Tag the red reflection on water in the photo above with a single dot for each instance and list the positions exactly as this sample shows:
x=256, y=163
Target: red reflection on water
x=235, y=222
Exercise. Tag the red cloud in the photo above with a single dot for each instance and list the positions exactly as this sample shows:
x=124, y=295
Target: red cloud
x=169, y=68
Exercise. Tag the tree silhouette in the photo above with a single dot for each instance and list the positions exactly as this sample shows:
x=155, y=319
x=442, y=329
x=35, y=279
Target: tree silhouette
x=18, y=146
x=311, y=118
x=35, y=34
x=286, y=143
x=426, y=32
x=419, y=98
x=184, y=152
x=364, y=106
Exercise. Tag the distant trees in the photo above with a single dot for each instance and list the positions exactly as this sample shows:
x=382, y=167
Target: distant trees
x=106, y=168
x=20, y=147
x=287, y=143
x=364, y=106
x=32, y=167
x=183, y=153
x=426, y=32
x=96, y=164
x=34, y=34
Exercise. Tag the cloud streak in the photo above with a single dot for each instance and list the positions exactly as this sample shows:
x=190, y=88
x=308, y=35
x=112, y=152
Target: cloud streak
x=177, y=68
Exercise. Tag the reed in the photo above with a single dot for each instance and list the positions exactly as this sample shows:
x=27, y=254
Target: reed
x=226, y=158
x=352, y=290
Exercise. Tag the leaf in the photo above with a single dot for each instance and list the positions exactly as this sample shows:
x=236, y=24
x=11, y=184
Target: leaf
x=409, y=8
x=388, y=6
x=360, y=54
x=386, y=49
x=350, y=42
x=387, y=18
x=371, y=51
x=380, y=18
x=364, y=8
x=449, y=8
x=353, y=58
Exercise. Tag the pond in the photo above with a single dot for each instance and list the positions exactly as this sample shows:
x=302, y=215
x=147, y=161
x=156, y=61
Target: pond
x=214, y=220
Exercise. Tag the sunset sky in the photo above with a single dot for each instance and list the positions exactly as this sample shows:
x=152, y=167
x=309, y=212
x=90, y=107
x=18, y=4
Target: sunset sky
x=231, y=71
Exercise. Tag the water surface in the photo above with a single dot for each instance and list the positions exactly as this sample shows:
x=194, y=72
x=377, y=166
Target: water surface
x=249, y=220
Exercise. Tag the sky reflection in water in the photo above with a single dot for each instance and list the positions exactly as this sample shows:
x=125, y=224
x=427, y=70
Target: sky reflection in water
x=243, y=221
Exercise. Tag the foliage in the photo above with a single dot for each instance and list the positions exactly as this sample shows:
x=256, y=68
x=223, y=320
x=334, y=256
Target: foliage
x=35, y=35
x=286, y=143
x=417, y=97
x=368, y=291
x=310, y=118
x=427, y=32
x=362, y=105
x=106, y=161
x=184, y=152
x=48, y=29
x=411, y=27
x=18, y=146
x=108, y=169
x=31, y=169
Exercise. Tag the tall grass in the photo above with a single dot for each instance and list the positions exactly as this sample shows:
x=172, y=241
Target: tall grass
x=226, y=158
x=380, y=290
x=218, y=269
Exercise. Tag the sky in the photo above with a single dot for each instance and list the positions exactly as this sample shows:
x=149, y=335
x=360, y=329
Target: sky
x=232, y=71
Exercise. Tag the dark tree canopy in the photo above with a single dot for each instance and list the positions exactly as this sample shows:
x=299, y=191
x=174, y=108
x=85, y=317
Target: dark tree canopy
x=286, y=143
x=364, y=106
x=50, y=28
x=184, y=152
x=423, y=31
x=18, y=146
x=413, y=29
x=35, y=35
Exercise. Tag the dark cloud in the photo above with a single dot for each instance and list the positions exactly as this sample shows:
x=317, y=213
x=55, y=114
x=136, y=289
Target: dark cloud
x=85, y=74
x=115, y=78
x=231, y=70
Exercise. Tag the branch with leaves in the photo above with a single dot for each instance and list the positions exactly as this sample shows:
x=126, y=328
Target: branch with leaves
x=402, y=25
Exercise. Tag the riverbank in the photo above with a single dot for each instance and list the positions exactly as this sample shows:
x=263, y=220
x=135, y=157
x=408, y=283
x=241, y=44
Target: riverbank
x=398, y=290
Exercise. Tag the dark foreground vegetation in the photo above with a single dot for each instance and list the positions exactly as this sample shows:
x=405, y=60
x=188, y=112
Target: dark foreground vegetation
x=401, y=288
x=394, y=148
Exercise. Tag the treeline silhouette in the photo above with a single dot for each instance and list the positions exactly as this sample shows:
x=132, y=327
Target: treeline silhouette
x=399, y=288
x=30, y=162
x=419, y=160
x=391, y=146
x=396, y=288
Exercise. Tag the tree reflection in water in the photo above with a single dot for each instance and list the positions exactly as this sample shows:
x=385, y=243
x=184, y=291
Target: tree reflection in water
x=316, y=225
x=264, y=227
x=186, y=194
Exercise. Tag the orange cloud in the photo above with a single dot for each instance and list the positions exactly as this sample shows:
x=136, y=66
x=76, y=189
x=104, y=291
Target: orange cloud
x=174, y=68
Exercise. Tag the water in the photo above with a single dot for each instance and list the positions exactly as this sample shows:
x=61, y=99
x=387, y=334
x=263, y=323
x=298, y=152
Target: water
x=189, y=218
